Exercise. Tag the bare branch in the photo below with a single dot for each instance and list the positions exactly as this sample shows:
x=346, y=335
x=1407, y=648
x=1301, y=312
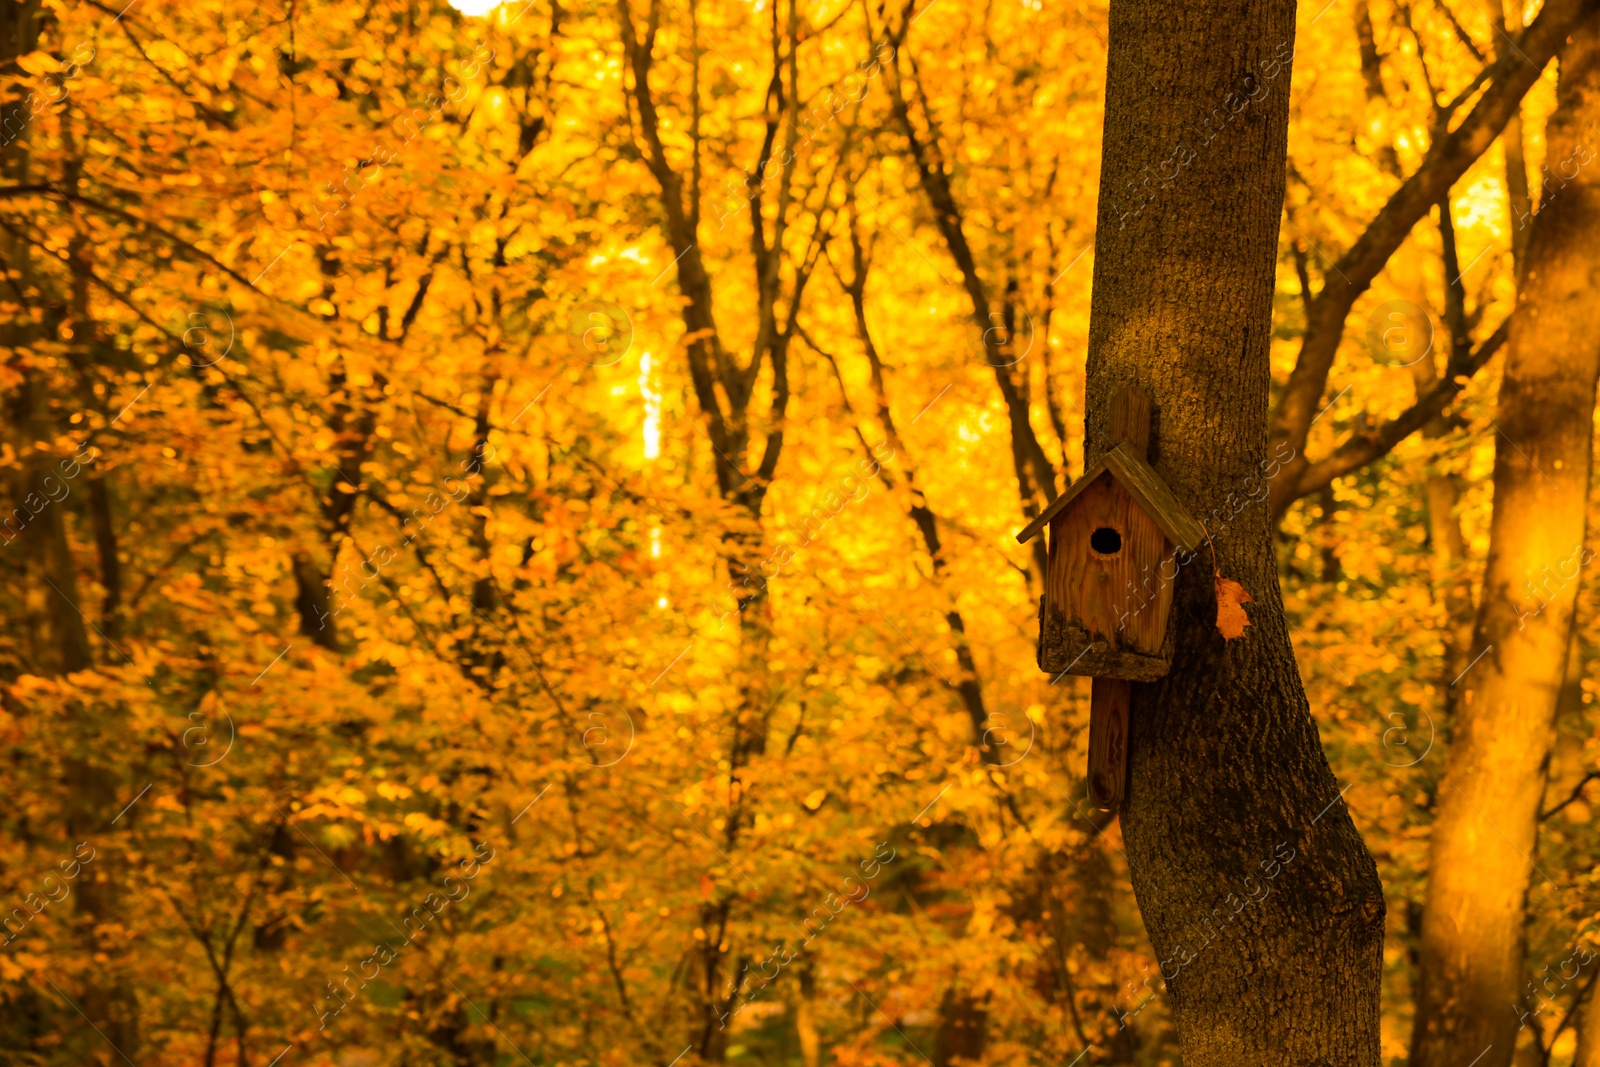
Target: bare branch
x=1362, y=449
x=1509, y=79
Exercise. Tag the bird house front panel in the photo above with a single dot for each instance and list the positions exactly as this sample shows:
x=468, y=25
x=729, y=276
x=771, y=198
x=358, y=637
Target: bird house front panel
x=1109, y=589
x=1105, y=568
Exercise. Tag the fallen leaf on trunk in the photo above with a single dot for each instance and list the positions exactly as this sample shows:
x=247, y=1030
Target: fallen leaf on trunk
x=1231, y=599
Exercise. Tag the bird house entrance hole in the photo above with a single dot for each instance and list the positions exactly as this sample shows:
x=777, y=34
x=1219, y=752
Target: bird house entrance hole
x=1106, y=541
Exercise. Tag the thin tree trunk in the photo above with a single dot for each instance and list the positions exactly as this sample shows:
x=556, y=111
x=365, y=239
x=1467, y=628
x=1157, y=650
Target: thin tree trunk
x=1588, y=1052
x=1473, y=938
x=1442, y=495
x=1442, y=491
x=962, y=1031
x=1036, y=477
x=805, y=1019
x=105, y=538
x=969, y=686
x=1256, y=889
x=58, y=637
x=1518, y=197
x=725, y=388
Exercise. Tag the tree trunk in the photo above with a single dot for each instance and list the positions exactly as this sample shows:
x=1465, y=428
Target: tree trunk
x=1442, y=490
x=57, y=637
x=1588, y=1050
x=1230, y=797
x=1473, y=940
x=1518, y=197
x=805, y=1019
x=963, y=1026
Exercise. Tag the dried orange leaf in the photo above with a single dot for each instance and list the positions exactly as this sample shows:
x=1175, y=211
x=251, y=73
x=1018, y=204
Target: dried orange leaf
x=1231, y=599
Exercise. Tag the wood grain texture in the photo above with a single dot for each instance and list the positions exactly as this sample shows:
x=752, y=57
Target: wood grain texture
x=1130, y=420
x=1121, y=599
x=1110, y=695
x=1108, y=741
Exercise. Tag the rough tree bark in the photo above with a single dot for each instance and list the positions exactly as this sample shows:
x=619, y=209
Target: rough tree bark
x=1256, y=889
x=1473, y=939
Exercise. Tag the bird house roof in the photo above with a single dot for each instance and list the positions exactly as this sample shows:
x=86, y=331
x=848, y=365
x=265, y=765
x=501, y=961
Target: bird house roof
x=1148, y=491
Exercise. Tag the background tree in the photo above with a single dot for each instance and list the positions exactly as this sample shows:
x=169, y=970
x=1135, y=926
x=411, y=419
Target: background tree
x=1473, y=933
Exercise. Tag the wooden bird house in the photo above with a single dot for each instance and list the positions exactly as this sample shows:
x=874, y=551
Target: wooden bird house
x=1107, y=606
x=1113, y=537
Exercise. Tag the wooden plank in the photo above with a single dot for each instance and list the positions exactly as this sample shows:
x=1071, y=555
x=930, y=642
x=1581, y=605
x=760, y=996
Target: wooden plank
x=1130, y=420
x=1094, y=471
x=1108, y=741
x=1027, y=533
